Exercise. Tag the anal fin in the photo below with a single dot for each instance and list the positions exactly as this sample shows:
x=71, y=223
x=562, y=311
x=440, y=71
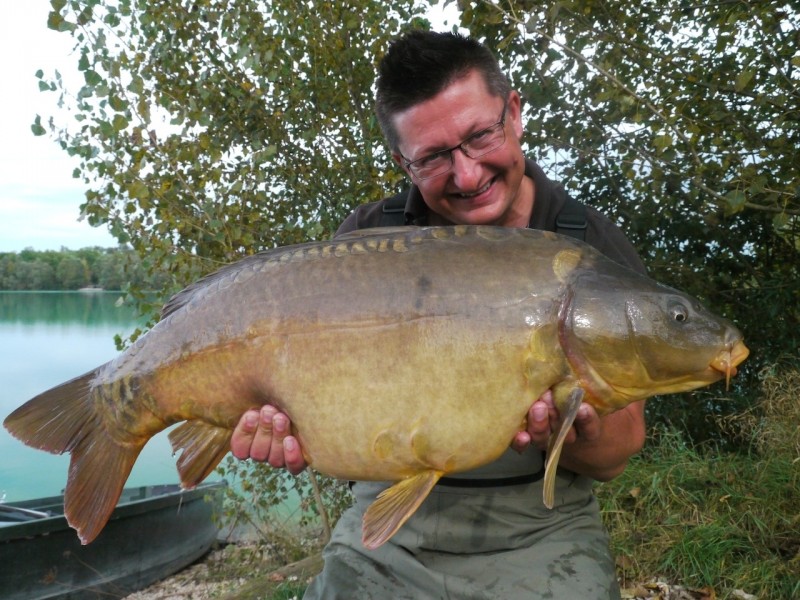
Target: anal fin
x=394, y=506
x=202, y=446
x=568, y=410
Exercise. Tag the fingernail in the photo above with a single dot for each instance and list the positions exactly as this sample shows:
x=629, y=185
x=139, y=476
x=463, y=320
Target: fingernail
x=279, y=423
x=289, y=444
x=250, y=420
x=539, y=412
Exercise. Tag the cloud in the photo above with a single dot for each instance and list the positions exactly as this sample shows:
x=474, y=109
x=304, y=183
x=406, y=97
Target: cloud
x=39, y=199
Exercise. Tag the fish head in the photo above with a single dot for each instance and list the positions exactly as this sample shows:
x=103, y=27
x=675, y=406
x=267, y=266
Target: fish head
x=628, y=337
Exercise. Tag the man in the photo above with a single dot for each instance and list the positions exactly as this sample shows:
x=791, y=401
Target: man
x=454, y=125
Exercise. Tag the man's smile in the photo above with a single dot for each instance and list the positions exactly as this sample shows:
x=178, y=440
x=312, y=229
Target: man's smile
x=470, y=195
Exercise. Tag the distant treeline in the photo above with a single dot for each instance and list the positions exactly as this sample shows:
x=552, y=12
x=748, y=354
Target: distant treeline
x=107, y=268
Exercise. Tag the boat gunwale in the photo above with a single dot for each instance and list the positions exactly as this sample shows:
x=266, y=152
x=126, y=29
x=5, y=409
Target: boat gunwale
x=152, y=499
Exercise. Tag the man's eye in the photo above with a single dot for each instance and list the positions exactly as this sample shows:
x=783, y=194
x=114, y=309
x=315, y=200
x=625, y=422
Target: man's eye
x=433, y=159
x=481, y=135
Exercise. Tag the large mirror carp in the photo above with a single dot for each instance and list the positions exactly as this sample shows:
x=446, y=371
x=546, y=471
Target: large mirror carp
x=389, y=350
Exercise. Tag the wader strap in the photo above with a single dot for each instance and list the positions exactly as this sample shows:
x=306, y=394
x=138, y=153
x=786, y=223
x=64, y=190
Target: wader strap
x=492, y=482
x=485, y=483
x=571, y=220
x=393, y=212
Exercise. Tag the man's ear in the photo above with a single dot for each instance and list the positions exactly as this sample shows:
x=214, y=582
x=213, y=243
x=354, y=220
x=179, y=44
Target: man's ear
x=401, y=161
x=514, y=112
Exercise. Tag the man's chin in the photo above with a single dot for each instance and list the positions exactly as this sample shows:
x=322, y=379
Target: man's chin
x=478, y=213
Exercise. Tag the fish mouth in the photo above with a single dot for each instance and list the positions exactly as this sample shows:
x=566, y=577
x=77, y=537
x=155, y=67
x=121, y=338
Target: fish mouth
x=726, y=361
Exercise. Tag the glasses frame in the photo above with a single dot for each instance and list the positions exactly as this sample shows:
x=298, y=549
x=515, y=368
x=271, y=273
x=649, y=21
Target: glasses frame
x=410, y=164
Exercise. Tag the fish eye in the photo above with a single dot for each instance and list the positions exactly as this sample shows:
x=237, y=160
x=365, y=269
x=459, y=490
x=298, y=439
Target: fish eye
x=679, y=313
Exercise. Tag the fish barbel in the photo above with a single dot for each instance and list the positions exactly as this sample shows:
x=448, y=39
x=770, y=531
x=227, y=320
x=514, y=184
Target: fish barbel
x=477, y=322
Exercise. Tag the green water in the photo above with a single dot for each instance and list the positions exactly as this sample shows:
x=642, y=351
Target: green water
x=47, y=338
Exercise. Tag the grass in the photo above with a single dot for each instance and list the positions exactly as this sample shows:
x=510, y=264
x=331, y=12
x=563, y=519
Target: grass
x=284, y=583
x=708, y=518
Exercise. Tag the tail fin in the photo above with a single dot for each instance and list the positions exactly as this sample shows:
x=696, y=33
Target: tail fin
x=65, y=419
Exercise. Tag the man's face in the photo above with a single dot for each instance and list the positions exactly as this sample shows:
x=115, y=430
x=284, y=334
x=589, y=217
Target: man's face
x=488, y=190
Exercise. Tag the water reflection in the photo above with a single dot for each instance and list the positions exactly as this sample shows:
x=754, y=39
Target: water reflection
x=47, y=338
x=84, y=308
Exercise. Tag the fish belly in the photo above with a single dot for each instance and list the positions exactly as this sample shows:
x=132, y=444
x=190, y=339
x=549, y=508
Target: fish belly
x=425, y=400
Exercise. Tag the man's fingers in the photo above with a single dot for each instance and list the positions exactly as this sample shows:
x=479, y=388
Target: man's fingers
x=539, y=429
x=295, y=461
x=265, y=436
x=279, y=428
x=587, y=423
x=244, y=433
x=521, y=441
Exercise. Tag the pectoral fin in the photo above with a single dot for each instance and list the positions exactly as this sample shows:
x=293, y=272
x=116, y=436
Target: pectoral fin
x=394, y=506
x=569, y=410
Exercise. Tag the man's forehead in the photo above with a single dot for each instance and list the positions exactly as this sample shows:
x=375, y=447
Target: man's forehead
x=461, y=109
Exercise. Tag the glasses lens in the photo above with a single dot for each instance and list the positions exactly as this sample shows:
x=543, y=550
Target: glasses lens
x=485, y=141
x=433, y=165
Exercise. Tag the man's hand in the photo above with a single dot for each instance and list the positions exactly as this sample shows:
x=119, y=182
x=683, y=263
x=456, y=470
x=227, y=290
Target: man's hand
x=595, y=447
x=544, y=419
x=265, y=436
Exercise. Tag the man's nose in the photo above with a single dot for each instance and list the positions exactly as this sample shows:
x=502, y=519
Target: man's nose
x=466, y=170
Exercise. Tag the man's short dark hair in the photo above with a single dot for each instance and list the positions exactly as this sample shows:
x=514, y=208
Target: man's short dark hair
x=420, y=64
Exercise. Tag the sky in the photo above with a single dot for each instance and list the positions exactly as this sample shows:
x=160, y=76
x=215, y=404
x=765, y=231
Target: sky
x=39, y=199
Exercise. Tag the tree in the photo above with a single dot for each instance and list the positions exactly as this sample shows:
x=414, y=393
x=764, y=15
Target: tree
x=207, y=130
x=72, y=273
x=27, y=275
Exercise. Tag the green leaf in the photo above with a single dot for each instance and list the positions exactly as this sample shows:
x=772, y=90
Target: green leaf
x=117, y=102
x=662, y=142
x=119, y=123
x=136, y=86
x=139, y=190
x=92, y=77
x=37, y=128
x=743, y=79
x=57, y=23
x=780, y=221
x=736, y=200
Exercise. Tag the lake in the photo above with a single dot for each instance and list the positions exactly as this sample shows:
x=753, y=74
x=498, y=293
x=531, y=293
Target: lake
x=47, y=338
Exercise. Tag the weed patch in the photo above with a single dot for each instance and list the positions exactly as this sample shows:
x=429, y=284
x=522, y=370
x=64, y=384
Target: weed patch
x=716, y=519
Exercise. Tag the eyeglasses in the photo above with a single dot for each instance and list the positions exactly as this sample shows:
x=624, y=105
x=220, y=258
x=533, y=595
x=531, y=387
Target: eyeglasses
x=478, y=144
